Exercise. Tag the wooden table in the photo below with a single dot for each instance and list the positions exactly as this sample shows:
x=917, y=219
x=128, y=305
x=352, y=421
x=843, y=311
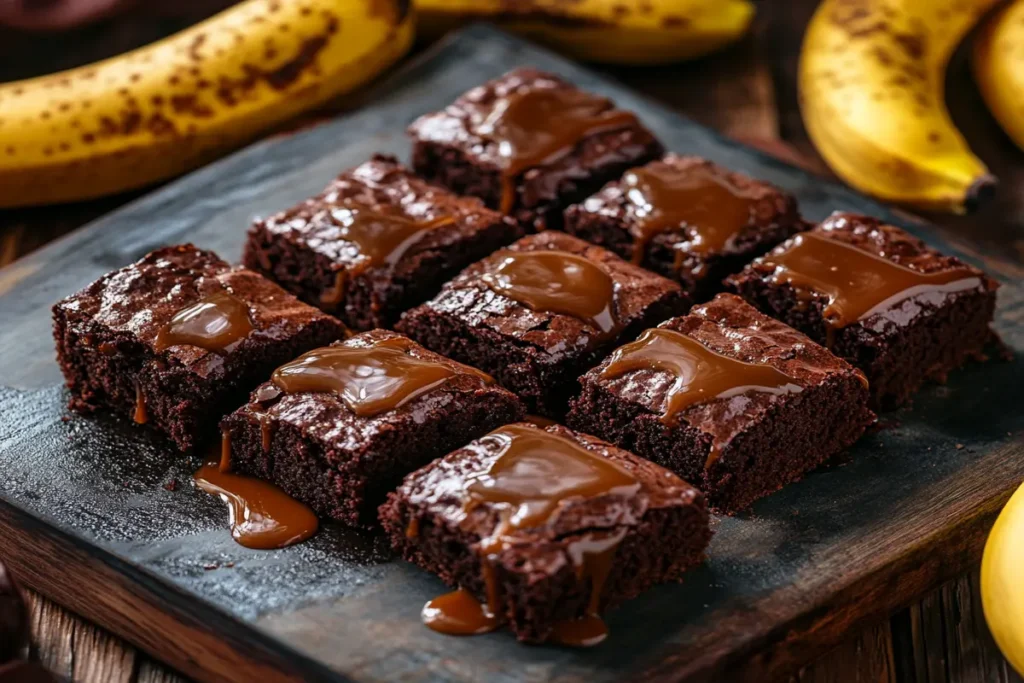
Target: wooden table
x=748, y=92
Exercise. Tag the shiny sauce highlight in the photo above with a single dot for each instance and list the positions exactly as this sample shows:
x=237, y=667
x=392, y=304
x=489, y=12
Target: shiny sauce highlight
x=701, y=374
x=536, y=126
x=369, y=380
x=856, y=282
x=669, y=198
x=558, y=282
x=261, y=515
x=215, y=323
x=534, y=473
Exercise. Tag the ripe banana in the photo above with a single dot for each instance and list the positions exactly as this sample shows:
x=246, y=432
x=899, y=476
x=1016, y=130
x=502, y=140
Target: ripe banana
x=179, y=103
x=999, y=68
x=1002, y=581
x=871, y=93
x=614, y=31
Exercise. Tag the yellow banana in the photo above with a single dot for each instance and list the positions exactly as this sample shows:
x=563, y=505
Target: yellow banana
x=871, y=93
x=1002, y=581
x=999, y=68
x=614, y=31
x=159, y=111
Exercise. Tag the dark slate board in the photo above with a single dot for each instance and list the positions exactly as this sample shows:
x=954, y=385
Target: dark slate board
x=85, y=516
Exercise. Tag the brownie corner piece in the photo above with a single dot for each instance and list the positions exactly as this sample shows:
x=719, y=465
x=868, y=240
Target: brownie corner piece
x=177, y=339
x=879, y=297
x=728, y=398
x=529, y=144
x=535, y=571
x=538, y=314
x=377, y=241
x=688, y=219
x=384, y=406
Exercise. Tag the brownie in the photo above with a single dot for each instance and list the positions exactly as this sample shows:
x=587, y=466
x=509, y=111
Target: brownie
x=536, y=553
x=727, y=398
x=880, y=298
x=529, y=144
x=179, y=338
x=340, y=458
x=688, y=219
x=539, y=351
x=377, y=241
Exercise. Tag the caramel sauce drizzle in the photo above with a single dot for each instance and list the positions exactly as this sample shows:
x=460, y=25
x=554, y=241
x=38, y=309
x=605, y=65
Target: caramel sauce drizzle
x=700, y=374
x=856, y=282
x=383, y=235
x=558, y=282
x=669, y=198
x=533, y=476
x=215, y=323
x=261, y=515
x=369, y=380
x=537, y=126
x=141, y=415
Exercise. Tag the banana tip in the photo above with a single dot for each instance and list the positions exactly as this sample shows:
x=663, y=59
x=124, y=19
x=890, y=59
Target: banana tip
x=980, y=192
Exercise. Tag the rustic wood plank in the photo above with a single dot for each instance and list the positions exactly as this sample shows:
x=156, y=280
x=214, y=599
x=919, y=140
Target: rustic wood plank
x=864, y=658
x=75, y=649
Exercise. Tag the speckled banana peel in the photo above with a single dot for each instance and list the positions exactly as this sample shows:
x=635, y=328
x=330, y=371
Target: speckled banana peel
x=608, y=31
x=998, y=62
x=174, y=105
x=871, y=85
x=1002, y=581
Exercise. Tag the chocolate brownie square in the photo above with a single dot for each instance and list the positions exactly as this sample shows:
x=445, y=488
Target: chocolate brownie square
x=540, y=313
x=179, y=338
x=340, y=426
x=376, y=242
x=878, y=297
x=529, y=144
x=543, y=529
x=727, y=398
x=688, y=219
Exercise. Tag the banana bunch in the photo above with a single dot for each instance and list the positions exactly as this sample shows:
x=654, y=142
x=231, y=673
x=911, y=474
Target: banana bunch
x=871, y=90
x=613, y=31
x=179, y=103
x=1002, y=581
x=999, y=68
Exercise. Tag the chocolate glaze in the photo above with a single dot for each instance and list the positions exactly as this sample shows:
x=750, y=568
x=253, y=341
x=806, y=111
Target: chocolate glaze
x=559, y=282
x=668, y=197
x=216, y=323
x=370, y=380
x=534, y=474
x=261, y=515
x=856, y=282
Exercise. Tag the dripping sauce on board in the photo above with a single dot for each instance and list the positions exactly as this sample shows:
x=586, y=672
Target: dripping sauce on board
x=261, y=515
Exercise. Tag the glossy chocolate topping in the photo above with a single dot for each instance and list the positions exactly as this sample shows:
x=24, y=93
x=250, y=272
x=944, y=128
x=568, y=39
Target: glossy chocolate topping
x=261, y=515
x=856, y=282
x=668, y=197
x=369, y=380
x=558, y=282
x=700, y=373
x=215, y=323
